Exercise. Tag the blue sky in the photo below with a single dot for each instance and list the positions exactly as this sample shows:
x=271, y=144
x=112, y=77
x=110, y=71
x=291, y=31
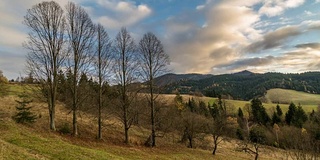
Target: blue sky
x=200, y=36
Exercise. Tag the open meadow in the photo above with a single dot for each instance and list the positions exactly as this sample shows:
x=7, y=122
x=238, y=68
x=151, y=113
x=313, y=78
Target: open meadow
x=36, y=141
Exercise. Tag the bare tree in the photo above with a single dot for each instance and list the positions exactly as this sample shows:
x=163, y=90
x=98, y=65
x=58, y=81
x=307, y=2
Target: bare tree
x=80, y=31
x=153, y=63
x=102, y=63
x=125, y=74
x=219, y=124
x=45, y=44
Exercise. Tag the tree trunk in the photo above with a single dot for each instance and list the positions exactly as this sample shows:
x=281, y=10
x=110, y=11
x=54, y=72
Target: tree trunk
x=153, y=132
x=214, y=149
x=125, y=121
x=190, y=142
x=257, y=152
x=74, y=122
x=256, y=157
x=126, y=130
x=215, y=142
x=51, y=120
x=99, y=116
x=100, y=103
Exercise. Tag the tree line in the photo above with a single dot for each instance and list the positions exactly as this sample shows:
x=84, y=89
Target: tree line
x=67, y=42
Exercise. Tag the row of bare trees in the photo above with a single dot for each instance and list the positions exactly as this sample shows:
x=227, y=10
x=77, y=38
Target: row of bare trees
x=67, y=40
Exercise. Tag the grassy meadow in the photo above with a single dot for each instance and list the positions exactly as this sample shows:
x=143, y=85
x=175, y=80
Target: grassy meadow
x=35, y=141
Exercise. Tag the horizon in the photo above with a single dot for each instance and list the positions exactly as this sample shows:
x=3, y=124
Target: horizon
x=204, y=37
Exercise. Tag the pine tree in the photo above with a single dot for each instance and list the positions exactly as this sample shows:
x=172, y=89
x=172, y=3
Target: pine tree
x=240, y=113
x=24, y=115
x=290, y=114
x=275, y=118
x=300, y=117
x=279, y=111
x=259, y=114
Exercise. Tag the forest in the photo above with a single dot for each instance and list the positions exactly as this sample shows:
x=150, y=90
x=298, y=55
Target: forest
x=245, y=86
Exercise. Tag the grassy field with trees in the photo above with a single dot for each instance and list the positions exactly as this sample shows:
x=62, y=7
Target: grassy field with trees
x=34, y=141
x=185, y=139
x=90, y=96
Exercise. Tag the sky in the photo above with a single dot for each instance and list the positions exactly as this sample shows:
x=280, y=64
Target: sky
x=200, y=36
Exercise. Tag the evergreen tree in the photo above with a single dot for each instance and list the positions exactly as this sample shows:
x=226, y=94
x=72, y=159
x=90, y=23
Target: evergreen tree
x=240, y=113
x=203, y=109
x=178, y=101
x=192, y=105
x=24, y=115
x=259, y=114
x=300, y=117
x=215, y=111
x=275, y=118
x=291, y=113
x=279, y=111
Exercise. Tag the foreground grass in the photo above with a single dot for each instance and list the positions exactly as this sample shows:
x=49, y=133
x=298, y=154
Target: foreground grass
x=19, y=141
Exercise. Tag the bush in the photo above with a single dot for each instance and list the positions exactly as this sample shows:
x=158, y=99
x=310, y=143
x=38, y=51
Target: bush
x=65, y=129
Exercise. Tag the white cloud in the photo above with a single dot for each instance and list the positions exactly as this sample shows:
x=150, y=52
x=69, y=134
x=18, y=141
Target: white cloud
x=308, y=13
x=123, y=13
x=277, y=7
x=228, y=27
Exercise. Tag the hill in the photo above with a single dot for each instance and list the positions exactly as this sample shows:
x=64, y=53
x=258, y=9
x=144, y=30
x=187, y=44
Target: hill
x=246, y=85
x=37, y=142
x=285, y=96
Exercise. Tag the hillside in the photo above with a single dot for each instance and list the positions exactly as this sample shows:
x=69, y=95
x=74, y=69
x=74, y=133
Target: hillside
x=173, y=78
x=36, y=142
x=247, y=85
x=285, y=96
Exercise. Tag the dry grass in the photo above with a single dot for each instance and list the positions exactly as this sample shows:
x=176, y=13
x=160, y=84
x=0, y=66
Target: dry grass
x=37, y=142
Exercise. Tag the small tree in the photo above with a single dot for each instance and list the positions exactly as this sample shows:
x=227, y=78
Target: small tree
x=24, y=115
x=219, y=123
x=257, y=136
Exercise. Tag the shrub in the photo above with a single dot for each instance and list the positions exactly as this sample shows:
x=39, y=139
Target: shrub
x=65, y=129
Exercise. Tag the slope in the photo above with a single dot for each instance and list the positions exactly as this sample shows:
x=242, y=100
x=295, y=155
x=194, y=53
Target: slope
x=286, y=96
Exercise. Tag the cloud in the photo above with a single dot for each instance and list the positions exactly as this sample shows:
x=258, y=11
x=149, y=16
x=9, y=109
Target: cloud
x=273, y=39
x=298, y=60
x=122, y=13
x=246, y=63
x=273, y=8
x=309, y=45
x=197, y=49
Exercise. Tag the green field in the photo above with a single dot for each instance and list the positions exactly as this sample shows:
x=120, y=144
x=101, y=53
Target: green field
x=308, y=101
x=288, y=96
